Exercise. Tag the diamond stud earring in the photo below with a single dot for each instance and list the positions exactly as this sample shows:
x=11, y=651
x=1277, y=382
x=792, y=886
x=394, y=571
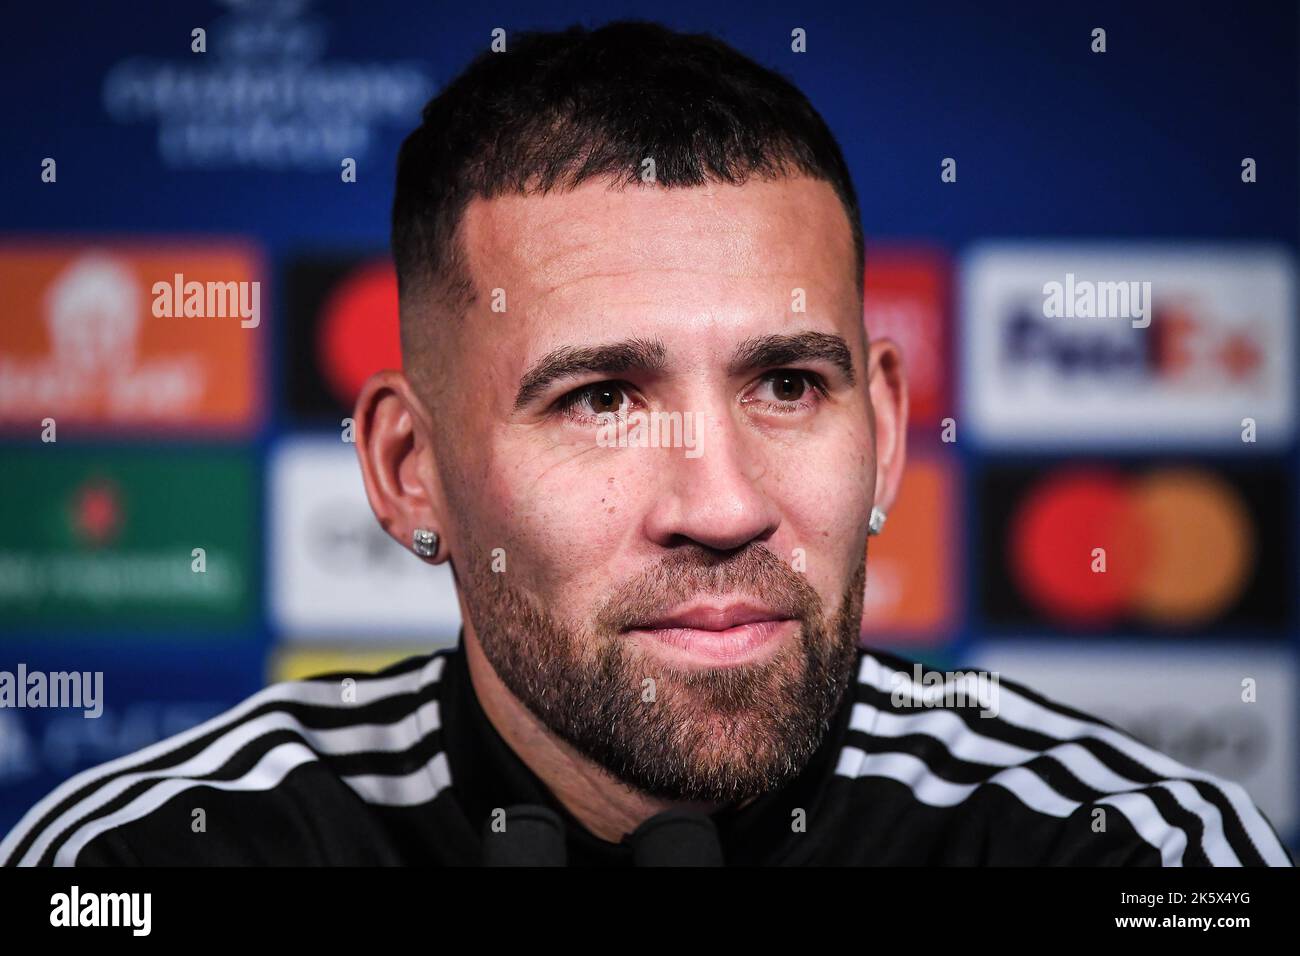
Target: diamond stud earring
x=877, y=523
x=424, y=542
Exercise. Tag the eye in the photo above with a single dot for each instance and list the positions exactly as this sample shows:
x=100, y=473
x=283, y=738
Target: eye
x=788, y=386
x=786, y=390
x=585, y=403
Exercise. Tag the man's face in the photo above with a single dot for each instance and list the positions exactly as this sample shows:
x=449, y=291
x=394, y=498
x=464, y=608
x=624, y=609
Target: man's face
x=686, y=616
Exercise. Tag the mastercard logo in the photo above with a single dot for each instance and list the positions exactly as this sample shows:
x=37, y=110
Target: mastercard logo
x=1173, y=546
x=359, y=330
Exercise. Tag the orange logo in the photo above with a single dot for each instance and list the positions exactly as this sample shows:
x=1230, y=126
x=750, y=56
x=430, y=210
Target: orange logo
x=911, y=575
x=82, y=344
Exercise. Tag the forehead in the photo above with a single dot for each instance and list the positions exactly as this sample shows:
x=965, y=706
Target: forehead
x=786, y=232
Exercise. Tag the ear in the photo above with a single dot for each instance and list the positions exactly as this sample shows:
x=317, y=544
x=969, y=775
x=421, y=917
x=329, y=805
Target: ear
x=395, y=446
x=887, y=386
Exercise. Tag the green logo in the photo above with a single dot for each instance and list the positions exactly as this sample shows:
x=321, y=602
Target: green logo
x=126, y=538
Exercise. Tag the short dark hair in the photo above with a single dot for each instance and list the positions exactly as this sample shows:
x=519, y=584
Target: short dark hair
x=561, y=108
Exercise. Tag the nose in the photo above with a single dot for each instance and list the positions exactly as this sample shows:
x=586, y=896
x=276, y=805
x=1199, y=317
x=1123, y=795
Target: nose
x=716, y=500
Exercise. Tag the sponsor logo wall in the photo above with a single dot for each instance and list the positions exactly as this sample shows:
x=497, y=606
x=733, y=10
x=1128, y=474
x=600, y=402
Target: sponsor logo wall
x=126, y=549
x=1073, y=433
x=1134, y=508
x=1065, y=396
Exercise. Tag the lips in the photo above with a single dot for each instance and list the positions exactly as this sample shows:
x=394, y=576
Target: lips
x=709, y=617
x=717, y=634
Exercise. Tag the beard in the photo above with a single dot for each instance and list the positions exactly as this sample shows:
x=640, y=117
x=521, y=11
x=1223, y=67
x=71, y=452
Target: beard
x=714, y=735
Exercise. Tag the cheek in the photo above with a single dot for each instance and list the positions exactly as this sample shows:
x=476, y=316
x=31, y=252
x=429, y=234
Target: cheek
x=570, y=516
x=824, y=494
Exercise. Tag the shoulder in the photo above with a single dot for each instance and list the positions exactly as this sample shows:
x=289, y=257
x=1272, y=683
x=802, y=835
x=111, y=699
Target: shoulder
x=262, y=782
x=1040, y=781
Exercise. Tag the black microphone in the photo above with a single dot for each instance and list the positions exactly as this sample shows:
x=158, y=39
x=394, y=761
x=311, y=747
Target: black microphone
x=676, y=838
x=527, y=836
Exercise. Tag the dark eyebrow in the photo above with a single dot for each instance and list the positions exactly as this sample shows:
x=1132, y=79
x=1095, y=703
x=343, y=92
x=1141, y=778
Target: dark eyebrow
x=647, y=355
x=774, y=351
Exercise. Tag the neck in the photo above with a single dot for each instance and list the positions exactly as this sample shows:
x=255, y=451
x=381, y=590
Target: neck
x=607, y=807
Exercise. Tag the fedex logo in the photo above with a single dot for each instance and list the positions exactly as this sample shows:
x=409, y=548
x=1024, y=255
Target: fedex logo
x=1180, y=343
x=1054, y=358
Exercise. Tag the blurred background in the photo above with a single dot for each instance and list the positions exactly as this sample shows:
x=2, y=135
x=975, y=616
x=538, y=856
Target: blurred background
x=995, y=148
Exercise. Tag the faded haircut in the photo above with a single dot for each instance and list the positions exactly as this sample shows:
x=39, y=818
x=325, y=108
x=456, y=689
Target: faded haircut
x=558, y=109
